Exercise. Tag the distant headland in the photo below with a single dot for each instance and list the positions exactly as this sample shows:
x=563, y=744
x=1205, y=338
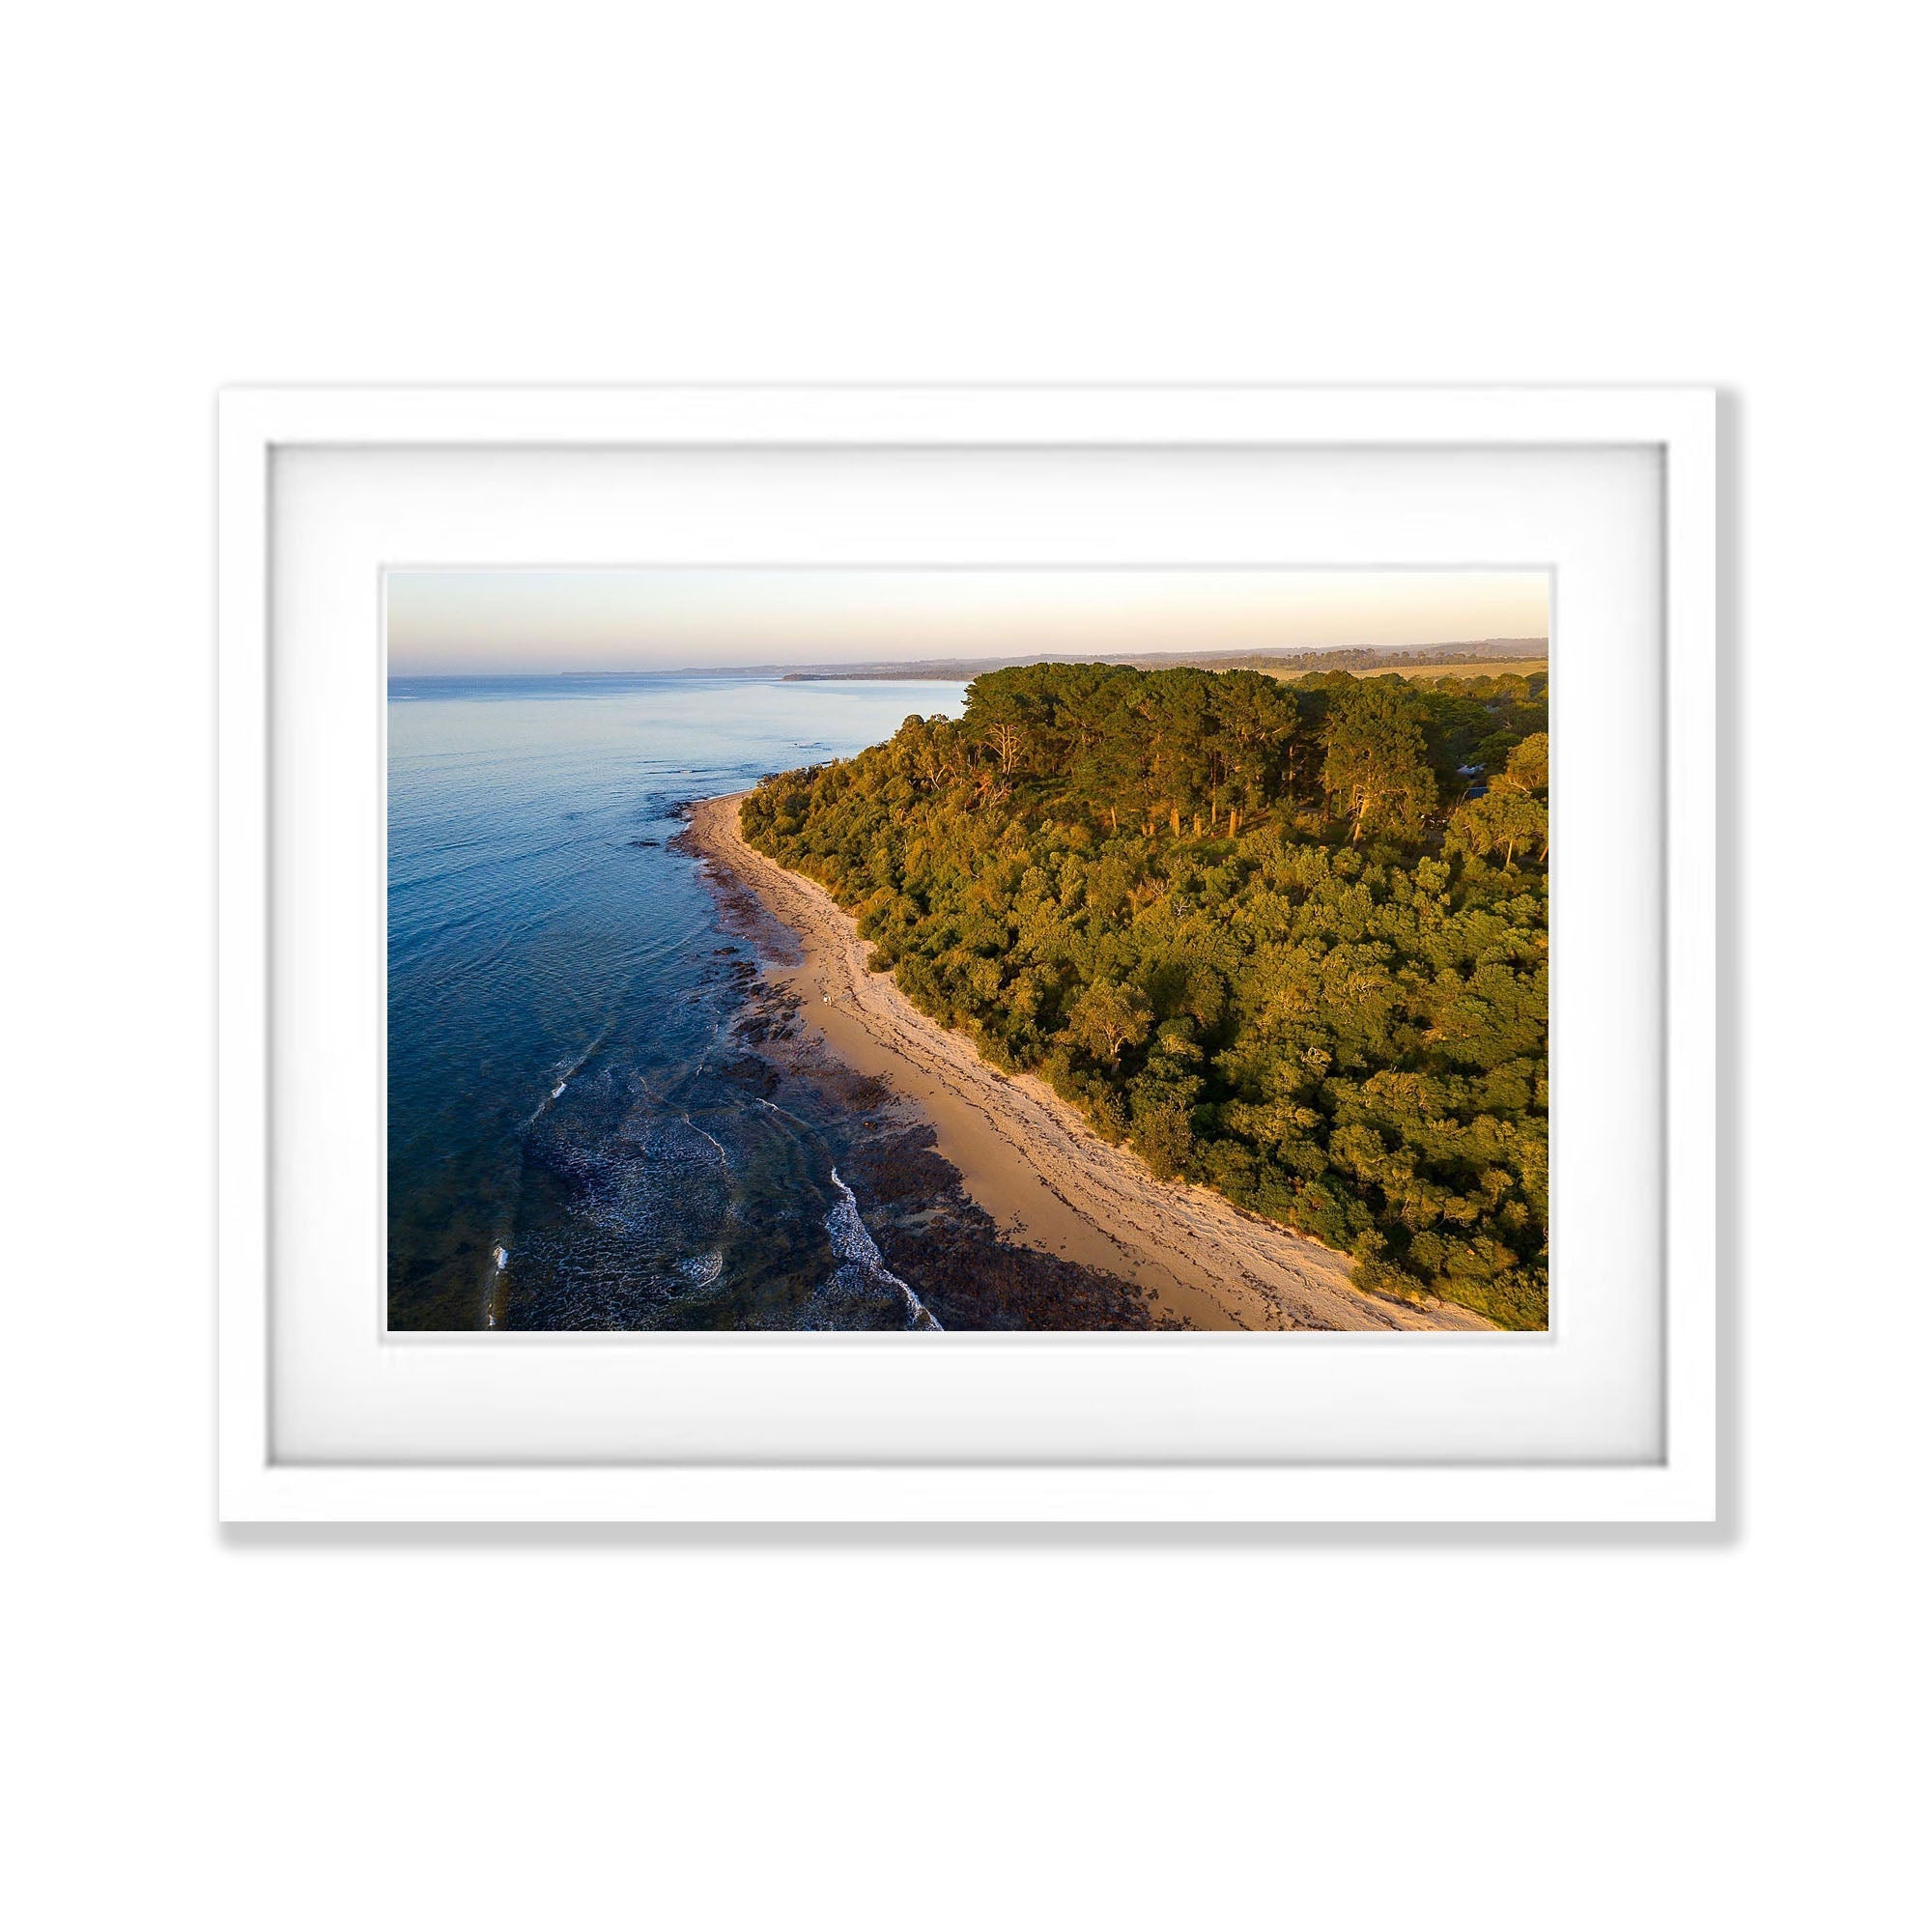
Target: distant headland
x=1487, y=655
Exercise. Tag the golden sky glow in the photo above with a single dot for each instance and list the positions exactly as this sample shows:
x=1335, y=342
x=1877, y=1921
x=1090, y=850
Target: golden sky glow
x=577, y=620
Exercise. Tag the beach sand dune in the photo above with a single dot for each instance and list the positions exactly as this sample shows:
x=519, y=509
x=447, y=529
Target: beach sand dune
x=1045, y=1176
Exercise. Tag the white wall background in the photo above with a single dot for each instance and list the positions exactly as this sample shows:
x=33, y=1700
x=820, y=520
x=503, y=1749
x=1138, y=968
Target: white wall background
x=582, y=1730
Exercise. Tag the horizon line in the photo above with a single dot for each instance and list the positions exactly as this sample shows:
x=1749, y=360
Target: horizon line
x=1178, y=660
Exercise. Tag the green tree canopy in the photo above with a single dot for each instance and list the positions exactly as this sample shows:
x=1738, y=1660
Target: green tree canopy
x=1527, y=768
x=1108, y=1016
x=1230, y=920
x=1377, y=766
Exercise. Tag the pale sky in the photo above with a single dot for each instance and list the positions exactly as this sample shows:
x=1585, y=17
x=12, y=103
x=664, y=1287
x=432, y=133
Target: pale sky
x=588, y=620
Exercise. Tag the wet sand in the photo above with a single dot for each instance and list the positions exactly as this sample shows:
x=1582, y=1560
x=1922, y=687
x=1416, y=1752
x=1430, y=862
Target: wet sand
x=1025, y=1157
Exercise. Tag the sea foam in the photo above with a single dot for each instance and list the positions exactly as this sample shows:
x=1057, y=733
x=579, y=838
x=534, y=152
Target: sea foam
x=852, y=1242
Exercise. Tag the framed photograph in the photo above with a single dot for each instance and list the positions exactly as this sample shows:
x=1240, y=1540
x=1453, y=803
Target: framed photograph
x=968, y=954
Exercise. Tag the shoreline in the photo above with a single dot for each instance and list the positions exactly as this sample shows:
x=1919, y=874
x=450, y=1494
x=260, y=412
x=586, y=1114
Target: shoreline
x=1024, y=1155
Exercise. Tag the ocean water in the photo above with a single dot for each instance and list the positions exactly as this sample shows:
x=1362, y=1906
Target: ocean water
x=577, y=1137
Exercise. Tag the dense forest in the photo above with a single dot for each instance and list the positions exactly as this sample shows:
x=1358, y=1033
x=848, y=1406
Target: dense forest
x=1290, y=940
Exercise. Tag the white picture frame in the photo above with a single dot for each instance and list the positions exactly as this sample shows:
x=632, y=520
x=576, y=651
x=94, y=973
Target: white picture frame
x=1678, y=1483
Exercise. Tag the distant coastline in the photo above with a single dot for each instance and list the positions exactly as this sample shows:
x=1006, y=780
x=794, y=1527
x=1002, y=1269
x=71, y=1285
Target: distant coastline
x=1494, y=657
x=1490, y=656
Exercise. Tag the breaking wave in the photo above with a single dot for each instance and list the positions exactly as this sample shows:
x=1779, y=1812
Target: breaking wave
x=701, y=1270
x=852, y=1242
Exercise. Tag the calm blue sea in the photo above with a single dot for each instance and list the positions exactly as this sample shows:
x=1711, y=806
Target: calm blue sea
x=571, y=1140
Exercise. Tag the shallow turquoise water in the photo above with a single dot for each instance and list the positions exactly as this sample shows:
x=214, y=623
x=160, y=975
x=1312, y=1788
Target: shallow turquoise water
x=563, y=1094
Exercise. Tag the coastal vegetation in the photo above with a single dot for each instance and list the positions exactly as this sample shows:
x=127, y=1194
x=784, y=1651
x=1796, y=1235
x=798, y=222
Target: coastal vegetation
x=1288, y=938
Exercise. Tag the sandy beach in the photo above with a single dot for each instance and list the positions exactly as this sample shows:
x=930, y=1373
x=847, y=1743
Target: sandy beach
x=1025, y=1157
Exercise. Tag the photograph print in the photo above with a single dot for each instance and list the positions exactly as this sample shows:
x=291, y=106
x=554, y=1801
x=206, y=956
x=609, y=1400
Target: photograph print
x=921, y=952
